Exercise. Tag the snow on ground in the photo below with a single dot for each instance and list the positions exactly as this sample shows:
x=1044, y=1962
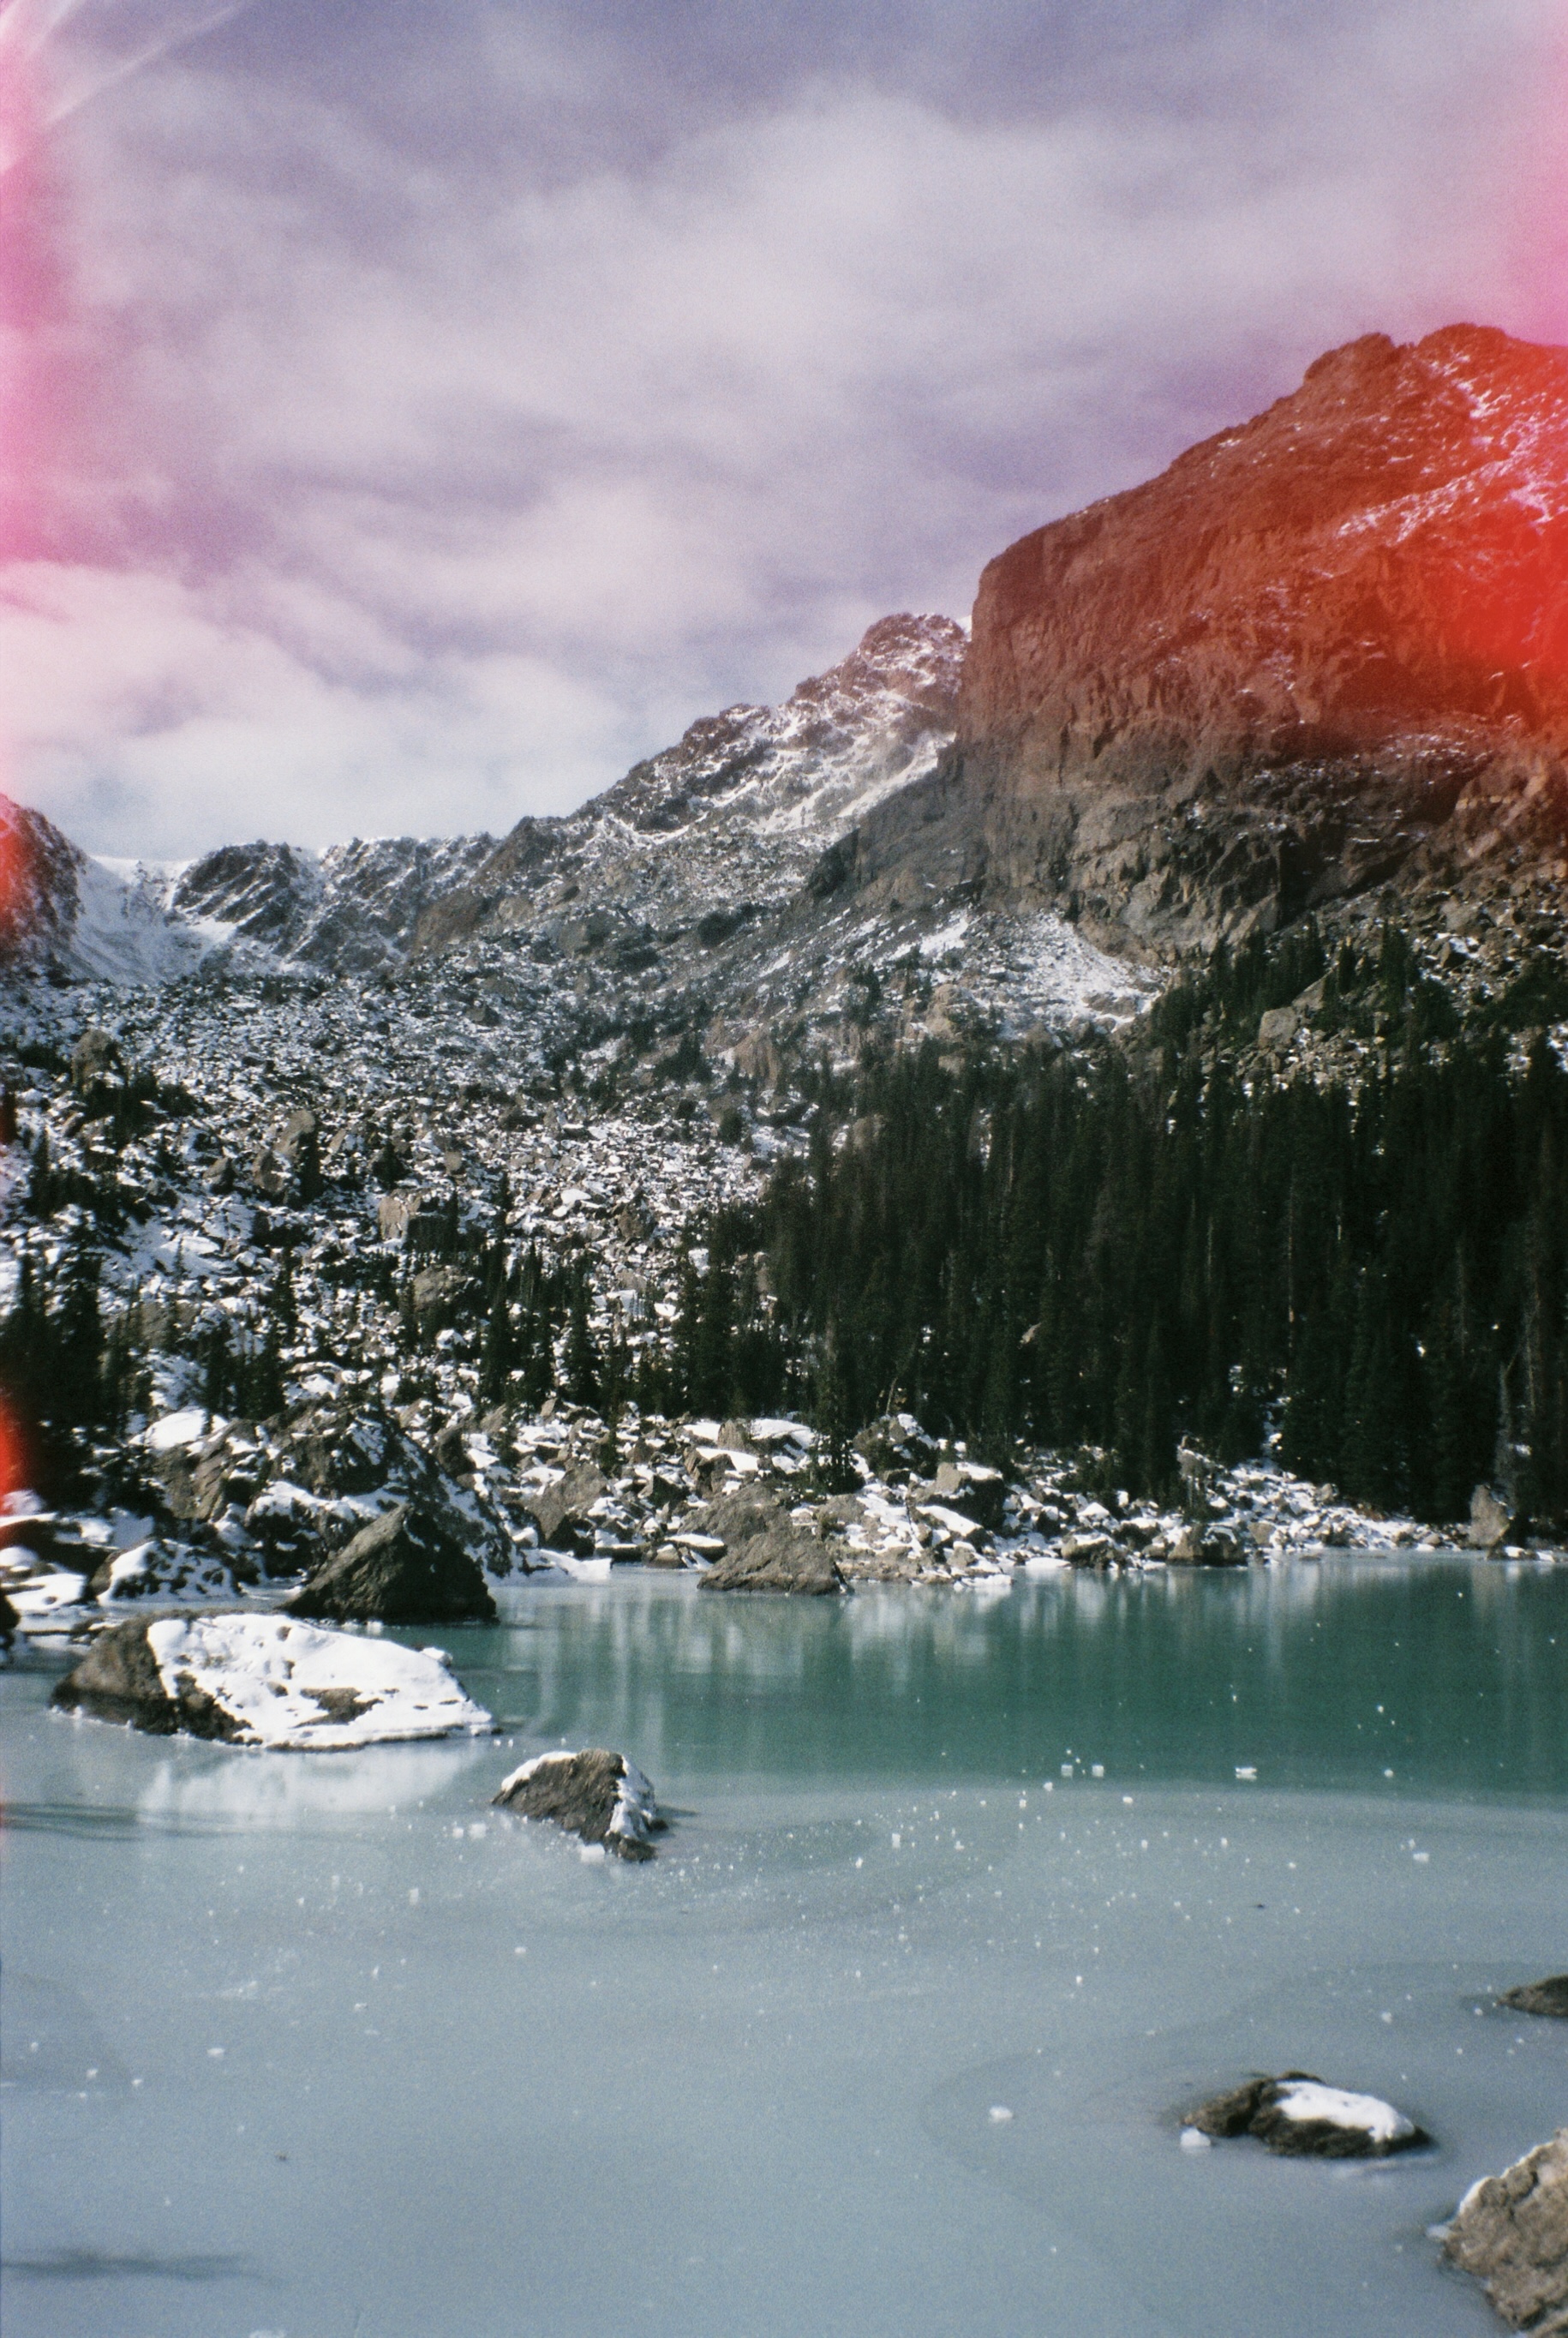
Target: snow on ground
x=296, y=1687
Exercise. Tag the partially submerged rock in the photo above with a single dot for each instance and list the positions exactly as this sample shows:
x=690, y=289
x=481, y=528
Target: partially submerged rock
x=261, y=1680
x=399, y=1569
x=1299, y=2116
x=595, y=1794
x=765, y=1549
x=1206, y=1545
x=1511, y=2231
x=1548, y=1997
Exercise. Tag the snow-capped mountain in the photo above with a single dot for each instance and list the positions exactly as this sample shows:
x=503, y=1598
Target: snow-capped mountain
x=99, y=920
x=737, y=813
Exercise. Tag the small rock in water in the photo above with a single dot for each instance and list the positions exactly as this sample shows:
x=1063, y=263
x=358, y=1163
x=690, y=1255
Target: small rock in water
x=1511, y=2231
x=1548, y=1997
x=595, y=1794
x=1299, y=2116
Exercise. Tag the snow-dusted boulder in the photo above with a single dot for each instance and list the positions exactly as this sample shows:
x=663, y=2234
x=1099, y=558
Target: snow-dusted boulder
x=264, y=1680
x=1300, y=2118
x=402, y=1569
x=598, y=1795
x=765, y=1549
x=153, y=1569
x=562, y=1512
x=1512, y=2232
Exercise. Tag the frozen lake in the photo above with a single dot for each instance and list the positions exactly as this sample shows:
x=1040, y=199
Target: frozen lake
x=314, y=2045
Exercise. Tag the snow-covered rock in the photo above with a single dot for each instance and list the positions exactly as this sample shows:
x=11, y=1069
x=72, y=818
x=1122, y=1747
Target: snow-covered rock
x=1298, y=2116
x=267, y=1681
x=598, y=1795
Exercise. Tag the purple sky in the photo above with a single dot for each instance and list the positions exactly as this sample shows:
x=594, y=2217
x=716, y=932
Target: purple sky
x=414, y=410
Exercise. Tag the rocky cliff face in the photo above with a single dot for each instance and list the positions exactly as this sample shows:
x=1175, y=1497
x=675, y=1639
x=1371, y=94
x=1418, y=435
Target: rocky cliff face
x=1324, y=650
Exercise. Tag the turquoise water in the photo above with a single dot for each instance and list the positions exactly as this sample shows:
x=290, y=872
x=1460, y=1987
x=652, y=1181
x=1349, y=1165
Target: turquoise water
x=290, y=2048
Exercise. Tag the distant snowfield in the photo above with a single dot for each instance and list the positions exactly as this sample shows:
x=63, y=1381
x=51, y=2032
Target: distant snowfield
x=123, y=932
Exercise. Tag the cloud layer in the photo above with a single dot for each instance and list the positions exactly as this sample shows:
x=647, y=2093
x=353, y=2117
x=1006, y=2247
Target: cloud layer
x=414, y=415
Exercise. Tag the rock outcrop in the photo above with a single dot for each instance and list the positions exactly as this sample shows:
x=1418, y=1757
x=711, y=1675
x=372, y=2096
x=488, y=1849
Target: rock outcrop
x=1324, y=650
x=119, y=1679
x=597, y=1795
x=399, y=1569
x=1511, y=2231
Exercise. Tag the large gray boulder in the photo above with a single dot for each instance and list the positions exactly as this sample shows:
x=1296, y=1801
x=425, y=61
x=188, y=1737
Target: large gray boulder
x=1207, y=1546
x=1298, y=2116
x=399, y=1569
x=1492, y=1519
x=979, y=1493
x=1511, y=2231
x=765, y=1549
x=267, y=1681
x=595, y=1794
x=331, y=1467
x=97, y=1066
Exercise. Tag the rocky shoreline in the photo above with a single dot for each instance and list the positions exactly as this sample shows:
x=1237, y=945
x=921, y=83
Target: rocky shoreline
x=343, y=1510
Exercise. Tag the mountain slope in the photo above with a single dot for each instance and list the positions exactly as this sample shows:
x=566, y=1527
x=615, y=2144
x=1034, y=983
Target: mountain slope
x=739, y=811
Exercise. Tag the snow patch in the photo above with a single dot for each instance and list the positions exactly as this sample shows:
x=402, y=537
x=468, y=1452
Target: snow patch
x=1307, y=2101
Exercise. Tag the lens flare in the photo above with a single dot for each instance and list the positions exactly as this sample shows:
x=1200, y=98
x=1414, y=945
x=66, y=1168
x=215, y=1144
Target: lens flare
x=13, y=1471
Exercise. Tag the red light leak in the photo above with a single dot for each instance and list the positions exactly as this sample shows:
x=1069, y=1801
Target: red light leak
x=16, y=871
x=13, y=1471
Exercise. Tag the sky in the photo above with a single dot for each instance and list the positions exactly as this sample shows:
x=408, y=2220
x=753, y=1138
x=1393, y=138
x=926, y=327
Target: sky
x=413, y=411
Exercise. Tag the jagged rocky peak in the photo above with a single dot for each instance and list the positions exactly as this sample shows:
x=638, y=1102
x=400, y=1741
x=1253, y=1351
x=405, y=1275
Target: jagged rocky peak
x=353, y=908
x=261, y=892
x=840, y=737
x=738, y=810
x=1383, y=552
x=39, y=883
x=1324, y=650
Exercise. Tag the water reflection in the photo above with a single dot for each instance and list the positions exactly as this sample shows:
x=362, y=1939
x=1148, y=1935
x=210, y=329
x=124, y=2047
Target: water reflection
x=233, y=1789
x=1448, y=1675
